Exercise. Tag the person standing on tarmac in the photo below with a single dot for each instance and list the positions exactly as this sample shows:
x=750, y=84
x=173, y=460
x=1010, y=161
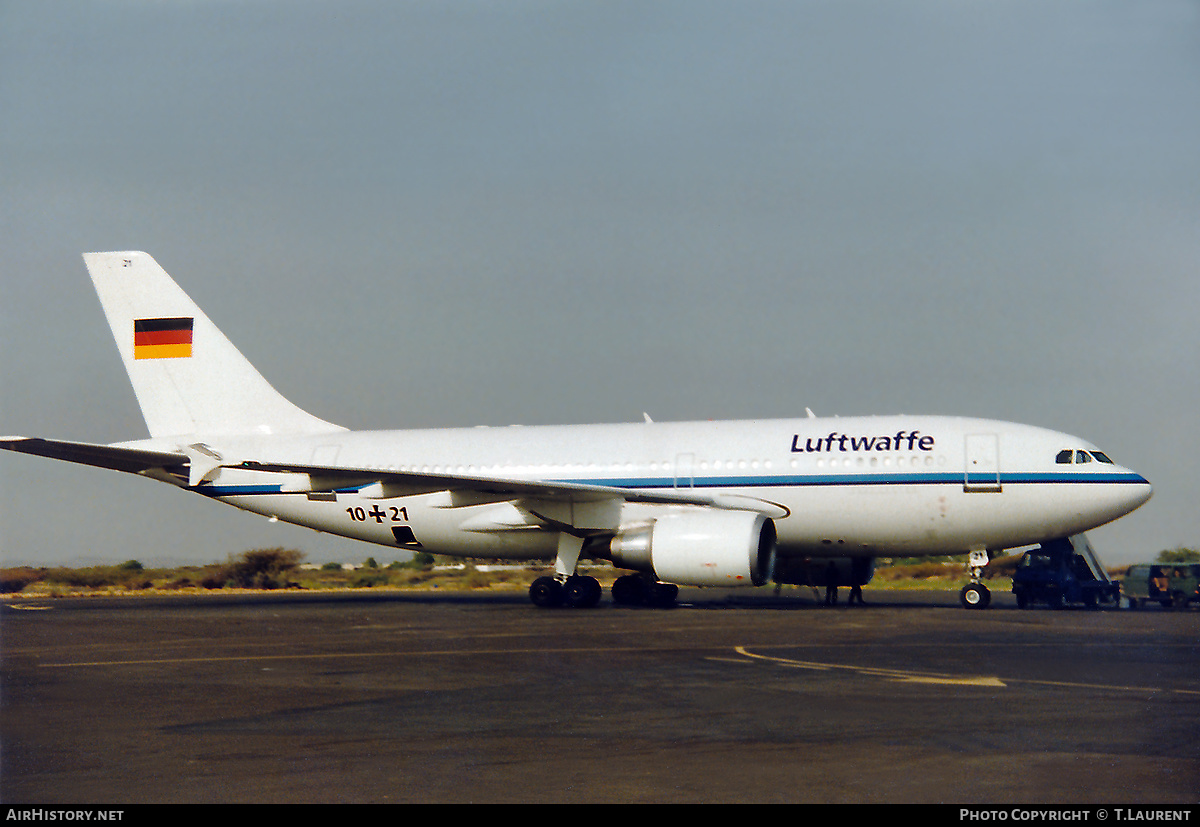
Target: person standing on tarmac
x=860, y=572
x=831, y=584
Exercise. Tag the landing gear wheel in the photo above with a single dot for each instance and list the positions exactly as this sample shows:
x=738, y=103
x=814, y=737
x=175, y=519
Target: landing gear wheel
x=636, y=590
x=546, y=593
x=582, y=592
x=663, y=595
x=629, y=590
x=975, y=596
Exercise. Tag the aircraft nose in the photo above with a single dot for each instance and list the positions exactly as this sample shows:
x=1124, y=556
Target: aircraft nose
x=1142, y=492
x=1137, y=491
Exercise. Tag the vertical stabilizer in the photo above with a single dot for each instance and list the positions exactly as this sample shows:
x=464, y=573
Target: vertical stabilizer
x=189, y=379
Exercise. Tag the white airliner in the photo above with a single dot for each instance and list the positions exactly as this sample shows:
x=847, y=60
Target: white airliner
x=686, y=503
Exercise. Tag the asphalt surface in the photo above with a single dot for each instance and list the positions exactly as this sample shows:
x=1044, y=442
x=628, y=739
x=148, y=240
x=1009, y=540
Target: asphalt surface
x=730, y=697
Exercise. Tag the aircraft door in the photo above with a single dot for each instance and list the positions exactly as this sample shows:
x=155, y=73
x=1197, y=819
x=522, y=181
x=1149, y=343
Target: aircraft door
x=982, y=472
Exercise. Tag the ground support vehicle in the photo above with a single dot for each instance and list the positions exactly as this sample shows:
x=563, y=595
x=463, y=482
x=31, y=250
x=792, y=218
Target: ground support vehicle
x=1170, y=585
x=1064, y=572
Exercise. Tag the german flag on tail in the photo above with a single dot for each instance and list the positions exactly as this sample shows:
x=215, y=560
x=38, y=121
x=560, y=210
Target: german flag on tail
x=162, y=338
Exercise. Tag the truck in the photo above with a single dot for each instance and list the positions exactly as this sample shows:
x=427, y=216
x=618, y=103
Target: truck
x=1171, y=585
x=1063, y=572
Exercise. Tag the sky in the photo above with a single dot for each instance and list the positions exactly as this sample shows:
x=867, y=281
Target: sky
x=434, y=213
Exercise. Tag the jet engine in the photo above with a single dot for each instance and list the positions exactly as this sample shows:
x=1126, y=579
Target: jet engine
x=700, y=547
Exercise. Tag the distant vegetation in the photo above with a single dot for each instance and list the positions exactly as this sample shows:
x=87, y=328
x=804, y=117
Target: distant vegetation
x=263, y=569
x=281, y=568
x=1179, y=555
x=129, y=575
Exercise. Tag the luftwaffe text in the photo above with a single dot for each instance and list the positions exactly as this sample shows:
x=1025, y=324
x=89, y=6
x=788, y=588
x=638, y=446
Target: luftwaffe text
x=900, y=441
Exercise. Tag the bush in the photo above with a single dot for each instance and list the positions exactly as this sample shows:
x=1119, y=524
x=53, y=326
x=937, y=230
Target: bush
x=421, y=560
x=370, y=578
x=98, y=577
x=14, y=580
x=264, y=568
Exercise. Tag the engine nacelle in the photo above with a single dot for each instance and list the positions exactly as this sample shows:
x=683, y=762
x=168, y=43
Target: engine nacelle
x=701, y=547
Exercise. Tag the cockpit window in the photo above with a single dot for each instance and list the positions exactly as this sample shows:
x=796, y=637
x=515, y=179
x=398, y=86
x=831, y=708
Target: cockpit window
x=1069, y=455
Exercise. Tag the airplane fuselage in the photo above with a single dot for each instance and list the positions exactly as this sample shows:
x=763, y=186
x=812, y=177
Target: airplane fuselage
x=854, y=486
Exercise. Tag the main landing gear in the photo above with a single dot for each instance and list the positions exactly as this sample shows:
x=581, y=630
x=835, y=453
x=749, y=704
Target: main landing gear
x=566, y=588
x=577, y=591
x=583, y=592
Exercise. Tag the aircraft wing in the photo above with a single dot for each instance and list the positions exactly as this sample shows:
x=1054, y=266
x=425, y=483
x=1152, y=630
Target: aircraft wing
x=131, y=460
x=405, y=483
x=520, y=504
x=553, y=503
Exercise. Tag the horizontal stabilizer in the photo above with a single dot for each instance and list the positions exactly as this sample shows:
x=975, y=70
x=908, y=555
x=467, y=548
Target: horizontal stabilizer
x=131, y=460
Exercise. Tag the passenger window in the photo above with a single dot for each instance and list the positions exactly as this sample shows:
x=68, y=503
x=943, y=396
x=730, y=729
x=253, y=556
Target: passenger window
x=1064, y=457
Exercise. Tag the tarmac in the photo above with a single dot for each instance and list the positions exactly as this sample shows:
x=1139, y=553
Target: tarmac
x=731, y=697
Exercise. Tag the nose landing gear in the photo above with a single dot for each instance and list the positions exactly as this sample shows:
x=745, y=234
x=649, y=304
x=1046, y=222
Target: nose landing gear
x=975, y=595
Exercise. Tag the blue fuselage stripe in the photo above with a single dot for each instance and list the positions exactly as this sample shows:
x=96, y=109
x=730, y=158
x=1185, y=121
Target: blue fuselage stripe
x=774, y=481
